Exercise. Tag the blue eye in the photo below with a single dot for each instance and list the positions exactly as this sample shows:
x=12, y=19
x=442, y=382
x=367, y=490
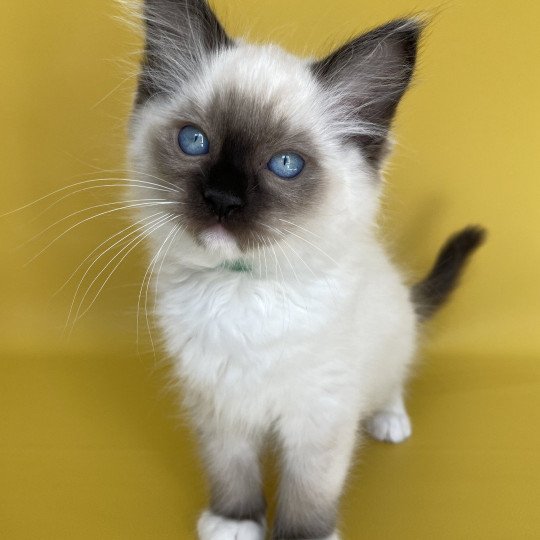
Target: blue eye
x=193, y=141
x=286, y=166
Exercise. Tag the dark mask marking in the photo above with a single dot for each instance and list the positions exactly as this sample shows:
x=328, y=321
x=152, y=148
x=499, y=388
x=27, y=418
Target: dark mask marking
x=232, y=185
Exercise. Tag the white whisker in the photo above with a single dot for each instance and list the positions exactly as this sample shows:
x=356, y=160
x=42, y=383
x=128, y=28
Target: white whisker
x=146, y=280
x=134, y=171
x=94, y=207
x=284, y=239
x=110, y=93
x=159, y=217
x=131, y=226
x=133, y=243
x=84, y=182
x=313, y=246
x=176, y=230
x=299, y=227
x=140, y=205
x=261, y=239
x=282, y=251
x=55, y=203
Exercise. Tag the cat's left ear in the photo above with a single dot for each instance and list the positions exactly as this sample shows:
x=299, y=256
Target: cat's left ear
x=370, y=75
x=179, y=36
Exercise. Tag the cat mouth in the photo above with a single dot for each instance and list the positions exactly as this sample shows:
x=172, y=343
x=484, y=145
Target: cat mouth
x=218, y=239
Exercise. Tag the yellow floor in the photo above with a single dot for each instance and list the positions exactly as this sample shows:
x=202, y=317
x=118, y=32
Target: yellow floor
x=91, y=449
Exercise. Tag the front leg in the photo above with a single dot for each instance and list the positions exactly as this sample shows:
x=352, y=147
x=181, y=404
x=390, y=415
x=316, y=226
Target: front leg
x=316, y=458
x=237, y=505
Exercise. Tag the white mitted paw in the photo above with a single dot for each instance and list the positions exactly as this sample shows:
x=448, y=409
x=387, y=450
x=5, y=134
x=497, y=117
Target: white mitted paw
x=334, y=536
x=212, y=527
x=389, y=426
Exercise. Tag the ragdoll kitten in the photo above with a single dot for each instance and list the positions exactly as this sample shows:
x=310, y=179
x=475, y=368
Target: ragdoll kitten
x=283, y=314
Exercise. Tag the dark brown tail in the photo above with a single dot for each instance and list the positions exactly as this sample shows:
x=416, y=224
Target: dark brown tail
x=433, y=291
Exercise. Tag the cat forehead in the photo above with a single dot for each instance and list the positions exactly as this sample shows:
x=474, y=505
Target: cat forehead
x=263, y=81
x=265, y=70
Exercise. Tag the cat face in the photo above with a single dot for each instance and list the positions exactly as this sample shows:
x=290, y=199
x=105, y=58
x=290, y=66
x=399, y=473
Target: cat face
x=255, y=141
x=257, y=156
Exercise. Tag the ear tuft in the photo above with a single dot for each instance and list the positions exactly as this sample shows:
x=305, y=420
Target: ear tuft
x=179, y=35
x=370, y=74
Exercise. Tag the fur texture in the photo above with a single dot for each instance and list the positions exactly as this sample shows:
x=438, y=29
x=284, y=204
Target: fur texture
x=315, y=334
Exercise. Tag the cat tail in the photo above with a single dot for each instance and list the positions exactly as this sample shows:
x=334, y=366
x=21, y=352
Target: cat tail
x=432, y=292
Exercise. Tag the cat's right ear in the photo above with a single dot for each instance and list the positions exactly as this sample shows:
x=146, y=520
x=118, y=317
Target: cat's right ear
x=179, y=35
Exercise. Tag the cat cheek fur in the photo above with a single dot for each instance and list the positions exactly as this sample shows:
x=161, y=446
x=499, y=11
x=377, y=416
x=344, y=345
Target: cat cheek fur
x=319, y=334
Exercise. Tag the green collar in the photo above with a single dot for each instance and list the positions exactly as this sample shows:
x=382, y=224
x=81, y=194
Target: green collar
x=237, y=265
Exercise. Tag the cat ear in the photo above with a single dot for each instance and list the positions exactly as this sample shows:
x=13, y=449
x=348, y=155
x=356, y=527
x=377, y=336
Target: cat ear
x=179, y=36
x=370, y=75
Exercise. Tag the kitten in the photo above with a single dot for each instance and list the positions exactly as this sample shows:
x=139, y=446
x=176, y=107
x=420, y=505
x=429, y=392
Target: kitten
x=282, y=312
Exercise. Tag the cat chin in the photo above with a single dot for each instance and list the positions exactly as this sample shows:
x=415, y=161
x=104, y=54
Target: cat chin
x=218, y=241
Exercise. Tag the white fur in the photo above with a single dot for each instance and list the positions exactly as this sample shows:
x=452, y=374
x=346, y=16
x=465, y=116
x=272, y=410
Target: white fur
x=212, y=527
x=321, y=334
x=390, y=424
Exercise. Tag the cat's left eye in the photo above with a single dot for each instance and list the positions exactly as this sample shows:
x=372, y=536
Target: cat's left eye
x=193, y=141
x=286, y=165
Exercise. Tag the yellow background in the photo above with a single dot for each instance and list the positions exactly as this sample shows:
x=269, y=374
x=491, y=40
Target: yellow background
x=91, y=443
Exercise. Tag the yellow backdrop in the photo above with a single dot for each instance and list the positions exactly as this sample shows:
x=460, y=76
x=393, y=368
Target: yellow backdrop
x=91, y=444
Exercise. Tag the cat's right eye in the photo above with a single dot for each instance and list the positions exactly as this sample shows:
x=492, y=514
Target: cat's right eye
x=193, y=141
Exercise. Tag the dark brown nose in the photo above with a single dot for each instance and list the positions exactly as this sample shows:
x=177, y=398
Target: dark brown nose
x=221, y=202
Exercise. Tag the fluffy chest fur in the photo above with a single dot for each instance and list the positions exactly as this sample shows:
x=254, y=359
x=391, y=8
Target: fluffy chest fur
x=254, y=344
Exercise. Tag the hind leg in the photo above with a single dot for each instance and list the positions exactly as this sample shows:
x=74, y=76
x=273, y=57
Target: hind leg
x=391, y=423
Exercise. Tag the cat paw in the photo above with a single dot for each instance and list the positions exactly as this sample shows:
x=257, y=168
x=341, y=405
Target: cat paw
x=212, y=527
x=334, y=536
x=389, y=426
